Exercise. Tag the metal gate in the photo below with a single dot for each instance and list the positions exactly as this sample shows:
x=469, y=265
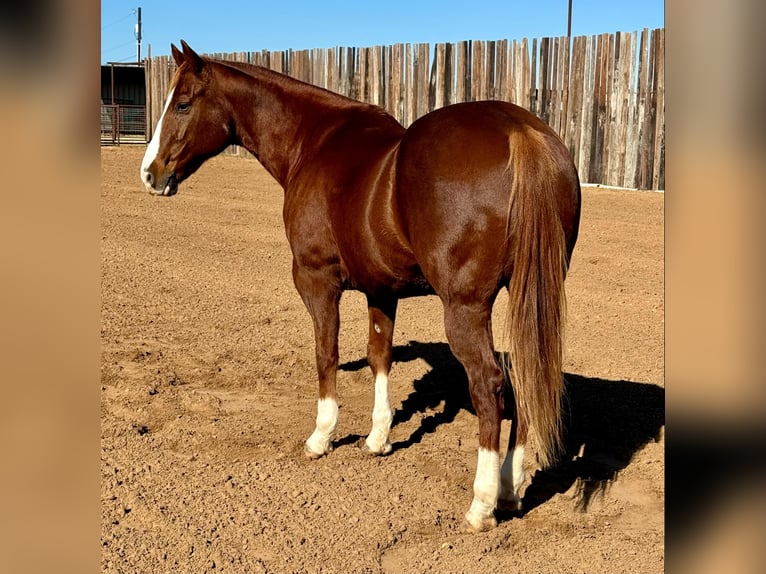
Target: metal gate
x=122, y=123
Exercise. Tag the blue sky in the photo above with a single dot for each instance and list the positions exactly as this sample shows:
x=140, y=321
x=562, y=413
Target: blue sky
x=250, y=26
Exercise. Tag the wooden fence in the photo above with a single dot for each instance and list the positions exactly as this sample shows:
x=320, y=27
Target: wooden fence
x=604, y=94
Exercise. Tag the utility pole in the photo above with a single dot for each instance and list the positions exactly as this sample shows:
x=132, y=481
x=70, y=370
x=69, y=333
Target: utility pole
x=138, y=36
x=569, y=20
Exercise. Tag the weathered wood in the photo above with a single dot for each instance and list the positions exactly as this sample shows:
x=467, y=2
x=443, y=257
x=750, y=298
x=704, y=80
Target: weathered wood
x=565, y=80
x=575, y=117
x=603, y=94
x=645, y=138
x=501, y=70
x=631, y=134
x=658, y=173
x=449, y=74
x=477, y=77
x=397, y=100
x=463, y=92
x=586, y=102
x=533, y=103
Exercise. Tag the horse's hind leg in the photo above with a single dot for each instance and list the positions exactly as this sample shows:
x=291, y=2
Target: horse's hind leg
x=512, y=473
x=382, y=315
x=470, y=336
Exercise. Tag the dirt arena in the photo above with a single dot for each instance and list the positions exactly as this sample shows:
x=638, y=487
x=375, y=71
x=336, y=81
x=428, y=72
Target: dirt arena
x=208, y=391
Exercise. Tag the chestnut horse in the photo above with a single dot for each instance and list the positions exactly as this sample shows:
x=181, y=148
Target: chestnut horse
x=471, y=198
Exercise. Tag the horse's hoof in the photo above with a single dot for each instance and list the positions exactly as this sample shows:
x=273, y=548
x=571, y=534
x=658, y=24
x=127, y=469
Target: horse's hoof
x=472, y=526
x=312, y=455
x=378, y=451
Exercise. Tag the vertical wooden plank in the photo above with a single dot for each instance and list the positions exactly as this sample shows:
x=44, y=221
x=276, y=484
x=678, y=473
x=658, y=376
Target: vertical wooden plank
x=385, y=76
x=500, y=67
x=409, y=99
x=631, y=133
x=318, y=65
x=513, y=71
x=617, y=144
x=449, y=74
x=416, y=65
x=462, y=94
x=615, y=110
x=342, y=77
x=438, y=76
x=624, y=67
x=423, y=82
x=528, y=75
x=533, y=93
x=555, y=87
x=432, y=84
x=391, y=98
x=489, y=71
x=296, y=65
x=382, y=78
x=523, y=72
x=348, y=72
x=361, y=91
x=565, y=75
x=601, y=108
x=643, y=173
x=658, y=173
x=609, y=48
x=652, y=115
x=543, y=80
x=341, y=66
x=508, y=73
x=477, y=76
x=375, y=85
x=586, y=114
x=575, y=101
x=310, y=74
x=321, y=68
x=330, y=69
x=520, y=80
x=369, y=75
x=396, y=83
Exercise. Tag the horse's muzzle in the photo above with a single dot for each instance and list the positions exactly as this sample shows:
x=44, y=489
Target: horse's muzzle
x=168, y=188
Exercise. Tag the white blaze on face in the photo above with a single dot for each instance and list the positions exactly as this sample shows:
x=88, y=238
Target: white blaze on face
x=154, y=145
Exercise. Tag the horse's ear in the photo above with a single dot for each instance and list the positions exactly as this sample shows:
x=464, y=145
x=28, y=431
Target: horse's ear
x=177, y=55
x=194, y=59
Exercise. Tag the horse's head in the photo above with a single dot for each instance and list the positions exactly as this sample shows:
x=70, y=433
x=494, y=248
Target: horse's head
x=194, y=125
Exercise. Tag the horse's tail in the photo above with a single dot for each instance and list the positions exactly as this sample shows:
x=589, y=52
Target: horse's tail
x=537, y=300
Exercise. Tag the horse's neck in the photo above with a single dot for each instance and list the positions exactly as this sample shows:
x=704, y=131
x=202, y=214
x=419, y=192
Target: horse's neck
x=275, y=116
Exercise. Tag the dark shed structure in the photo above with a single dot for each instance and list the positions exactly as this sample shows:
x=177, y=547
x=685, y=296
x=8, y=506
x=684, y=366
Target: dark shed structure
x=123, y=103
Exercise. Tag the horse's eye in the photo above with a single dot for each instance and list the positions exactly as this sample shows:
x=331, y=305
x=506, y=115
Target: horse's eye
x=183, y=106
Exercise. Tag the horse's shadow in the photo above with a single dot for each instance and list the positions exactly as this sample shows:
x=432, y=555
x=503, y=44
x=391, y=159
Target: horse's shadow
x=606, y=422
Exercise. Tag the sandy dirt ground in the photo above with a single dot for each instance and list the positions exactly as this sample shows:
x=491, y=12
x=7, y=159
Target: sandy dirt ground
x=208, y=392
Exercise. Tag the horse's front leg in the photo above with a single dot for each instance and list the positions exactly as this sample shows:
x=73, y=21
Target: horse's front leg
x=321, y=295
x=382, y=316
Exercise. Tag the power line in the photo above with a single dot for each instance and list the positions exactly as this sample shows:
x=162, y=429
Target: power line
x=117, y=47
x=117, y=21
